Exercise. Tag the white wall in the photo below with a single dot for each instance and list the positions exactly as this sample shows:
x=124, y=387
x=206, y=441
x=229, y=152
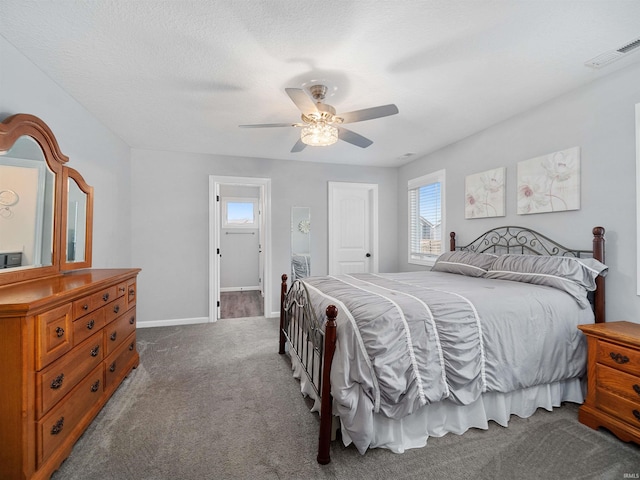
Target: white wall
x=171, y=223
x=598, y=118
x=101, y=157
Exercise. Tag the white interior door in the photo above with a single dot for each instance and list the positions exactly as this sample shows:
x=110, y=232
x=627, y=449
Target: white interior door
x=353, y=228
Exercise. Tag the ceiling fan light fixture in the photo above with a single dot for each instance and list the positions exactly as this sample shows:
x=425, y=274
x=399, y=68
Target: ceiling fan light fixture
x=319, y=135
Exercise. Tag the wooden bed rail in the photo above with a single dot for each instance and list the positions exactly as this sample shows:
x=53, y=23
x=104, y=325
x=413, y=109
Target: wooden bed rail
x=326, y=406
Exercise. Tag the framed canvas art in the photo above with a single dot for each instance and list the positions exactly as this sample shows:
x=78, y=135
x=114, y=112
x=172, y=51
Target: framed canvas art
x=485, y=194
x=550, y=183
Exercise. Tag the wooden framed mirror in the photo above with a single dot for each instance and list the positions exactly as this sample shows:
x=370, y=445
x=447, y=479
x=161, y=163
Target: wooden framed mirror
x=33, y=210
x=77, y=217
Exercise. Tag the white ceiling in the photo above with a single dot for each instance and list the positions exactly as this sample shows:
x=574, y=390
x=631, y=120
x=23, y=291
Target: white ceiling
x=182, y=75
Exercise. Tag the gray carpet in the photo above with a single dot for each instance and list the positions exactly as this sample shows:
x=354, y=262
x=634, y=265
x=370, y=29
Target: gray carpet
x=216, y=401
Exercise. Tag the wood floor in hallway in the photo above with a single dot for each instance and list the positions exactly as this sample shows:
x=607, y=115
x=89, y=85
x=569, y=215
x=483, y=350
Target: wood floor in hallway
x=247, y=303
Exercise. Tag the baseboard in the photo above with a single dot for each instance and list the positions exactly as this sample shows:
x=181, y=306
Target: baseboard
x=173, y=322
x=238, y=289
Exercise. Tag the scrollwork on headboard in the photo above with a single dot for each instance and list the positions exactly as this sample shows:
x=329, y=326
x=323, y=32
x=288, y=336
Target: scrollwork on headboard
x=518, y=240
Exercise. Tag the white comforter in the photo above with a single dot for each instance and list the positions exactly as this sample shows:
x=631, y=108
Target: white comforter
x=410, y=339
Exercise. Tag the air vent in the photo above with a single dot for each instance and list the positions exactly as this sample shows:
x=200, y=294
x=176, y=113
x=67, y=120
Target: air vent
x=613, y=55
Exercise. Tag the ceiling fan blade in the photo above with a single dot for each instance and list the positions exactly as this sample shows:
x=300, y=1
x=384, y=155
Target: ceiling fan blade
x=269, y=125
x=302, y=100
x=353, y=138
x=369, y=113
x=299, y=146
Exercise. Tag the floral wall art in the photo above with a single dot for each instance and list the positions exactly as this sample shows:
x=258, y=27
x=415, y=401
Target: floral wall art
x=484, y=194
x=550, y=183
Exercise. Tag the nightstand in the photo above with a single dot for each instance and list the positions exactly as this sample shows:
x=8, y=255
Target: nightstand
x=613, y=371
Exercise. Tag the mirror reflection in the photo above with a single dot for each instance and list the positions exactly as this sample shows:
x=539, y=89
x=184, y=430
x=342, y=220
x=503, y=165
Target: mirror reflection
x=27, y=199
x=76, y=222
x=300, y=242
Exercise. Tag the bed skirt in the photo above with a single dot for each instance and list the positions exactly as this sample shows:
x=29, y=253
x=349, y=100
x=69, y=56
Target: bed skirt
x=438, y=419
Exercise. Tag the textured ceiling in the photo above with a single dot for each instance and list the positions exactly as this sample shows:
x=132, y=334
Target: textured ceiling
x=182, y=75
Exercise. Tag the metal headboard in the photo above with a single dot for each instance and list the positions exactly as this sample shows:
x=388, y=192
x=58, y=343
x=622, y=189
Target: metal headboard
x=518, y=240
x=521, y=240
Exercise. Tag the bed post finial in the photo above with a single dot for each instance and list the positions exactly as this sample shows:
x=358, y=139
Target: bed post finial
x=452, y=241
x=283, y=294
x=598, y=254
x=326, y=402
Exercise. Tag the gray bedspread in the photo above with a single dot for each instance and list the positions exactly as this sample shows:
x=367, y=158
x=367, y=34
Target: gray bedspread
x=409, y=339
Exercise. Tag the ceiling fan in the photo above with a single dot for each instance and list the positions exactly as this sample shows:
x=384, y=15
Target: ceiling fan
x=320, y=124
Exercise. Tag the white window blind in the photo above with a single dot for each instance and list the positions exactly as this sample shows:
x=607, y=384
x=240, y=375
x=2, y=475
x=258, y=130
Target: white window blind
x=426, y=218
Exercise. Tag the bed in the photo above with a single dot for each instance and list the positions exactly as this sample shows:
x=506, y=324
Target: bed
x=489, y=331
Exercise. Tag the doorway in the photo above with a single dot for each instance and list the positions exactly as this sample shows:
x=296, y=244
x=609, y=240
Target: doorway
x=239, y=247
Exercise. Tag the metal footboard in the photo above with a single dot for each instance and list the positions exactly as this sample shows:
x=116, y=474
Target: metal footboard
x=314, y=346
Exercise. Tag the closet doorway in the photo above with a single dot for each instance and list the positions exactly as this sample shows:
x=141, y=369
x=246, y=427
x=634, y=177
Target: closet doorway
x=239, y=247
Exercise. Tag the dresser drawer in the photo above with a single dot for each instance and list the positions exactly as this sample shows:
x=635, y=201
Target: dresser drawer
x=115, y=309
x=118, y=362
x=55, y=381
x=55, y=335
x=132, y=293
x=621, y=358
x=618, y=382
x=60, y=422
x=117, y=331
x=86, y=326
x=121, y=289
x=93, y=302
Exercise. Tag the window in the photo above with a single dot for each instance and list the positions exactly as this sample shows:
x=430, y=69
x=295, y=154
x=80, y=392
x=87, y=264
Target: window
x=426, y=218
x=239, y=212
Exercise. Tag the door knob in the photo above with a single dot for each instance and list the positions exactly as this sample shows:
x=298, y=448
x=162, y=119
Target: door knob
x=368, y=255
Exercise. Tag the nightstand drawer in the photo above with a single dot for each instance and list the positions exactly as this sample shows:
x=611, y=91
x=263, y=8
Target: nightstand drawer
x=618, y=407
x=618, y=382
x=618, y=357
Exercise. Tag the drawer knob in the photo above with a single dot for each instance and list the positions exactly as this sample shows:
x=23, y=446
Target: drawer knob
x=113, y=336
x=122, y=289
x=636, y=414
x=132, y=346
x=57, y=427
x=116, y=309
x=636, y=388
x=132, y=320
x=105, y=297
x=90, y=324
x=132, y=291
x=59, y=331
x=94, y=351
x=85, y=307
x=112, y=367
x=95, y=386
x=619, y=358
x=56, y=383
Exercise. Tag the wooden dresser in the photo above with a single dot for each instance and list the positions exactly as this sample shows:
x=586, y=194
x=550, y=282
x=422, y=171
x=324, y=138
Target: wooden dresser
x=66, y=343
x=613, y=395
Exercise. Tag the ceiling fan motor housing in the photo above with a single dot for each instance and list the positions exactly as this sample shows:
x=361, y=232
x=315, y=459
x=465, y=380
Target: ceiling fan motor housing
x=318, y=92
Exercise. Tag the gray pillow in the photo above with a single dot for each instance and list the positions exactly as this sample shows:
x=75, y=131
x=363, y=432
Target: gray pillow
x=575, y=276
x=471, y=264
